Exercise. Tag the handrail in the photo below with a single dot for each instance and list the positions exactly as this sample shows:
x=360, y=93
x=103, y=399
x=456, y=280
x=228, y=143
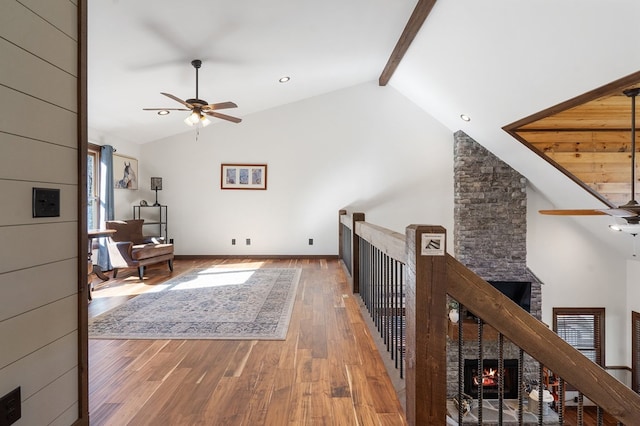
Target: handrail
x=433, y=279
x=541, y=343
x=389, y=242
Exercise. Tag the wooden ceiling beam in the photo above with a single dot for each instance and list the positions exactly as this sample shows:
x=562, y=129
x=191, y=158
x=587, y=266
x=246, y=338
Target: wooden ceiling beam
x=419, y=15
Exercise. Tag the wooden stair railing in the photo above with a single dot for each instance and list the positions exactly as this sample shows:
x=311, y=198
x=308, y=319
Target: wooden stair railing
x=429, y=279
x=541, y=343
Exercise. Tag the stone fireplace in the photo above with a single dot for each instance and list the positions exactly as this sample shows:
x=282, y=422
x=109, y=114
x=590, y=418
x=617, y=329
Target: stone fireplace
x=490, y=378
x=490, y=207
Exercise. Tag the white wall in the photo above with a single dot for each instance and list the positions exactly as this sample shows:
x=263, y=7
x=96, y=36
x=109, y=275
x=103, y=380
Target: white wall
x=366, y=148
x=579, y=270
x=39, y=256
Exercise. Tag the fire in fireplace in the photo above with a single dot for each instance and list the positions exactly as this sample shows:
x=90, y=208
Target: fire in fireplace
x=490, y=378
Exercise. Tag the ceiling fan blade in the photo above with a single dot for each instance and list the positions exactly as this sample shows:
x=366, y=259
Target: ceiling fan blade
x=620, y=212
x=574, y=212
x=175, y=98
x=221, y=105
x=165, y=109
x=224, y=116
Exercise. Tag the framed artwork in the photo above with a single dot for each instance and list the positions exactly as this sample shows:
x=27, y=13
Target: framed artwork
x=125, y=172
x=243, y=176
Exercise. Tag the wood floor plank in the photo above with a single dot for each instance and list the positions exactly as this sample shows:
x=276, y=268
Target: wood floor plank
x=325, y=372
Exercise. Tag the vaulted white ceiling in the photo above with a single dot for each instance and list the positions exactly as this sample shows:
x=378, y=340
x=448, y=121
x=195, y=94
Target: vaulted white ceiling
x=496, y=62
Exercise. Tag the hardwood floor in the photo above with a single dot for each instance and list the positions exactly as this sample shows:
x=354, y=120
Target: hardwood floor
x=589, y=417
x=326, y=372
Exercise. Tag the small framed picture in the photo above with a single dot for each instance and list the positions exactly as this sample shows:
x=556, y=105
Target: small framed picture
x=125, y=172
x=243, y=176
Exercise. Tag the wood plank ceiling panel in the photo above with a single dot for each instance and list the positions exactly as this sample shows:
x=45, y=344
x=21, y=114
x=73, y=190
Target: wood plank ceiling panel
x=588, y=138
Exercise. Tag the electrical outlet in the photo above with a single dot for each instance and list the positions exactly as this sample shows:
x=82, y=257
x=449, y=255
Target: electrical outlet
x=233, y=241
x=46, y=202
x=310, y=241
x=10, y=408
x=248, y=241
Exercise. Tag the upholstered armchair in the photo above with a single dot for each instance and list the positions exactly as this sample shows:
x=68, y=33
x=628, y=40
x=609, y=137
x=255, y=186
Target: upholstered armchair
x=128, y=248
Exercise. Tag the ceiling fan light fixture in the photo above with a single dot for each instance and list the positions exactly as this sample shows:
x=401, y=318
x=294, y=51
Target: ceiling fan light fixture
x=204, y=121
x=192, y=118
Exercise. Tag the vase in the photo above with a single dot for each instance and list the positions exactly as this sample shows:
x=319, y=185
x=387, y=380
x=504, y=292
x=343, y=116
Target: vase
x=454, y=316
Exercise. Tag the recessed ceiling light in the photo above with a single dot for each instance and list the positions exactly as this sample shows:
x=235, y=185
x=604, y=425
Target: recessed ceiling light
x=465, y=117
x=163, y=112
x=284, y=79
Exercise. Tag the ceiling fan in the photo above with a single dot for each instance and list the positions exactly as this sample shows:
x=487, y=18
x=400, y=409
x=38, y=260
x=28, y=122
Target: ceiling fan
x=630, y=211
x=199, y=108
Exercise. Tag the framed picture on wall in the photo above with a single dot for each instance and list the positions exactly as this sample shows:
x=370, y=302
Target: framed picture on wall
x=125, y=172
x=243, y=176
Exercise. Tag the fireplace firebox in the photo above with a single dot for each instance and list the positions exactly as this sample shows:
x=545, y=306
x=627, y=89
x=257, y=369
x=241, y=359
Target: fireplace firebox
x=490, y=378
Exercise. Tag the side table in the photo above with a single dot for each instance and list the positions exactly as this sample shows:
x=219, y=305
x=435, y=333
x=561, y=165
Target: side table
x=95, y=269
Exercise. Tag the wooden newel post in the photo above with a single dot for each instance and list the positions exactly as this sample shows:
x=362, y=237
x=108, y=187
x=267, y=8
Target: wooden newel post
x=355, y=252
x=426, y=316
x=341, y=213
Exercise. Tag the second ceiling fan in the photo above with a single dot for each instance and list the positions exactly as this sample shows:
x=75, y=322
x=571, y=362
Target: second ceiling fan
x=199, y=108
x=630, y=211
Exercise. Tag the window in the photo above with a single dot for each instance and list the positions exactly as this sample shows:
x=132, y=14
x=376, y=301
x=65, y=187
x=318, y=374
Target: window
x=582, y=328
x=93, y=187
x=635, y=351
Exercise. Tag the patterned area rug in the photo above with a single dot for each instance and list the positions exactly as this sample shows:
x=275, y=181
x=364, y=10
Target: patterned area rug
x=212, y=303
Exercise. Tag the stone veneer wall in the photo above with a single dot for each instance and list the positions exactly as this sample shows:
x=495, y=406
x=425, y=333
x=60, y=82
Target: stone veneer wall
x=490, y=210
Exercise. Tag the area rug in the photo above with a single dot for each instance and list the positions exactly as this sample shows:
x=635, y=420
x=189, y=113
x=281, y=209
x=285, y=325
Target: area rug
x=211, y=303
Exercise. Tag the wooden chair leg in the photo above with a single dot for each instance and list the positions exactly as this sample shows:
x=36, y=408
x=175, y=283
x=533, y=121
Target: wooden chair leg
x=140, y=271
x=170, y=261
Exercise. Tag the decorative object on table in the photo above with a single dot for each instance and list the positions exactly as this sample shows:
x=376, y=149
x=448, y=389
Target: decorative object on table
x=465, y=403
x=534, y=401
x=125, y=172
x=156, y=185
x=143, y=203
x=212, y=303
x=243, y=176
x=454, y=315
x=199, y=108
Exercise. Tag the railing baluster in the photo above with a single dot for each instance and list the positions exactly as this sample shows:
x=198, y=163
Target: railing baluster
x=520, y=389
x=460, y=364
x=580, y=409
x=403, y=322
x=500, y=378
x=599, y=415
x=561, y=388
x=480, y=371
x=540, y=393
x=387, y=300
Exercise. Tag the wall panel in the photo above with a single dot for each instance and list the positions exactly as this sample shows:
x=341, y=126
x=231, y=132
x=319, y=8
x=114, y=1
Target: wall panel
x=62, y=14
x=24, y=115
x=31, y=75
x=26, y=29
x=34, y=287
x=43, y=408
x=35, y=245
x=27, y=331
x=37, y=370
x=31, y=160
x=39, y=268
